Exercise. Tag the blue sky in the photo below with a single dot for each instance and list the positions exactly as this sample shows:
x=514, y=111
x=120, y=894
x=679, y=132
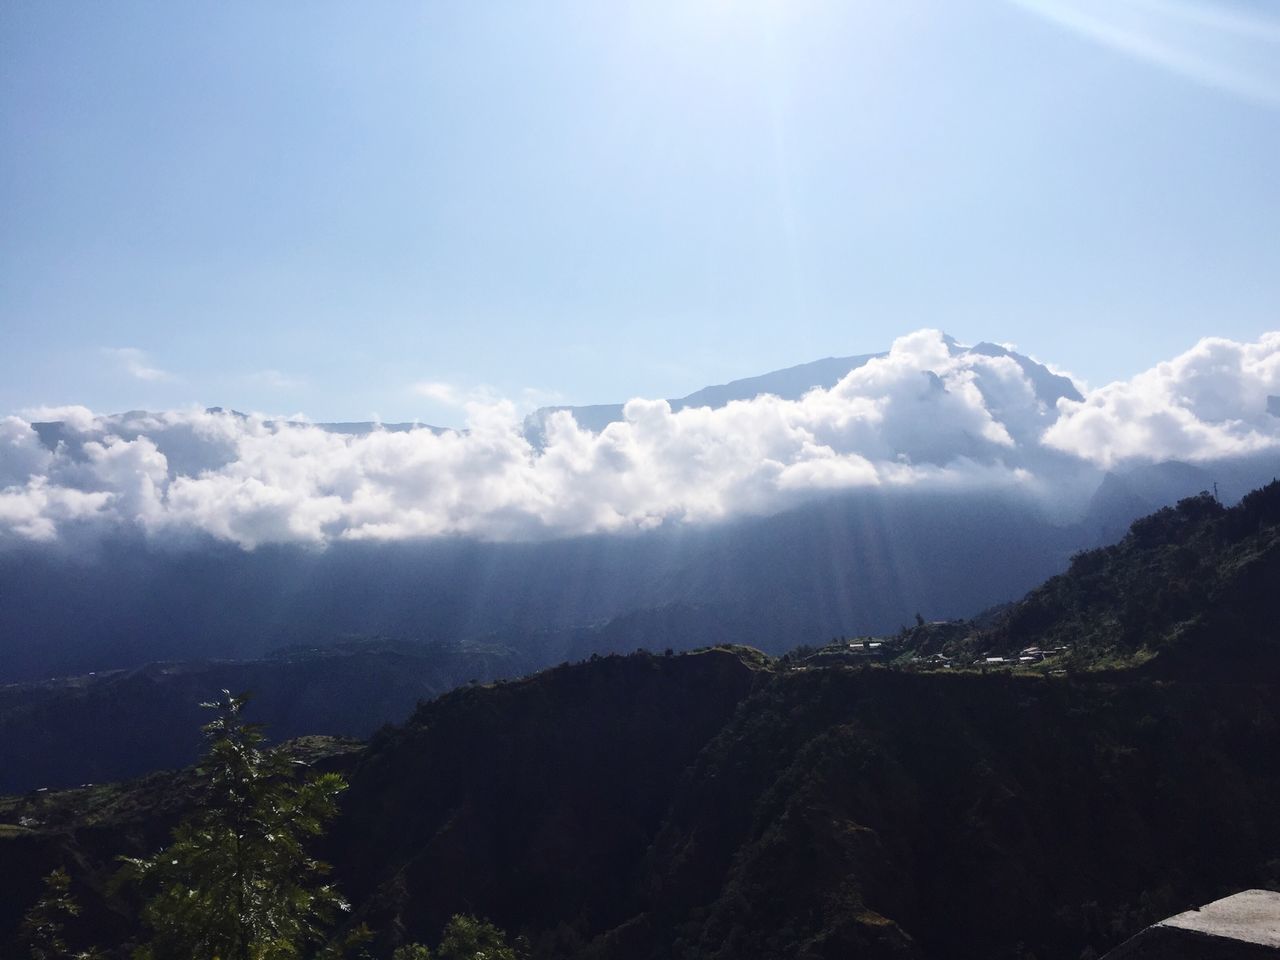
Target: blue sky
x=315, y=207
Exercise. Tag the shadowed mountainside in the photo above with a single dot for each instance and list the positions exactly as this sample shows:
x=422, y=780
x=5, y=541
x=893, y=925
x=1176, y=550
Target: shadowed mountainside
x=723, y=805
x=125, y=723
x=711, y=805
x=829, y=563
x=852, y=563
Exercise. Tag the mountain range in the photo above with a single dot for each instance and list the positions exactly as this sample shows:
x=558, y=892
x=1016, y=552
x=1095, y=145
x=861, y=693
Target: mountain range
x=792, y=383
x=202, y=536
x=726, y=804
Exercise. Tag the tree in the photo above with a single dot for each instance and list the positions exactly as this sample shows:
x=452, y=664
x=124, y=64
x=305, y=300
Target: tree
x=467, y=938
x=42, y=926
x=236, y=882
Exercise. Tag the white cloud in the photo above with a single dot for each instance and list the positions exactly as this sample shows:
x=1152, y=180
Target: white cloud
x=928, y=415
x=136, y=364
x=450, y=395
x=76, y=418
x=36, y=510
x=440, y=392
x=1209, y=402
x=21, y=453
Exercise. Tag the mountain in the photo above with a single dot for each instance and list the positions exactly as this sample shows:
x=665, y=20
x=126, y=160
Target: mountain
x=710, y=805
x=845, y=564
x=1189, y=591
x=853, y=563
x=211, y=535
x=125, y=723
x=834, y=811
x=792, y=383
x=1185, y=574
x=723, y=804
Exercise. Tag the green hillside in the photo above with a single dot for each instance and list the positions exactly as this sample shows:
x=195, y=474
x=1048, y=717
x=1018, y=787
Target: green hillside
x=1189, y=591
x=723, y=805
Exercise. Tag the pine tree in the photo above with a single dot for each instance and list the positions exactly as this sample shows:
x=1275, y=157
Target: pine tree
x=470, y=938
x=42, y=927
x=236, y=882
x=467, y=938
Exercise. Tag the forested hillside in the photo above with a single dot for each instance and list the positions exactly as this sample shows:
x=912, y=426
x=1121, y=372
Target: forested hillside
x=1189, y=590
x=725, y=804
x=710, y=805
x=126, y=723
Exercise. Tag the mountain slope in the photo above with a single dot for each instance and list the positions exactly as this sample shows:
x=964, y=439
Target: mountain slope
x=126, y=723
x=1190, y=588
x=852, y=563
x=836, y=811
x=977, y=522
x=791, y=383
x=711, y=805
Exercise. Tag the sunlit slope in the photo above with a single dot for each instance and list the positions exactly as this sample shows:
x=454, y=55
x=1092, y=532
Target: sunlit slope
x=1190, y=590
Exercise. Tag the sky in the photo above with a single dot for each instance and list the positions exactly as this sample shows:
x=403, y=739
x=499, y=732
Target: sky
x=383, y=211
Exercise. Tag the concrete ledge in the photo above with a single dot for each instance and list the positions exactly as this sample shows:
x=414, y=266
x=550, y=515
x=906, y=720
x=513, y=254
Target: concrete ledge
x=1245, y=926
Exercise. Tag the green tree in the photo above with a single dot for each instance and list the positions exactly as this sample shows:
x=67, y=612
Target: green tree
x=469, y=938
x=236, y=882
x=43, y=925
x=466, y=938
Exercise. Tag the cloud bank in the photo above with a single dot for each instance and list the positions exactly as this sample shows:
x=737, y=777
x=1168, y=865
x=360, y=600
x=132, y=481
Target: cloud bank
x=928, y=415
x=1215, y=400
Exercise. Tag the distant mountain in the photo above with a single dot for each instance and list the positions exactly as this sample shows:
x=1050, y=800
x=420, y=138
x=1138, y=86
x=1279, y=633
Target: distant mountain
x=124, y=723
x=826, y=563
x=844, y=564
x=1188, y=591
x=792, y=383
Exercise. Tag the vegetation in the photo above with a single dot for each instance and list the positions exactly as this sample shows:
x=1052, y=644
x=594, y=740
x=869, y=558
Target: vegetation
x=237, y=882
x=1188, y=590
x=43, y=927
x=722, y=806
x=706, y=806
x=126, y=723
x=465, y=938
